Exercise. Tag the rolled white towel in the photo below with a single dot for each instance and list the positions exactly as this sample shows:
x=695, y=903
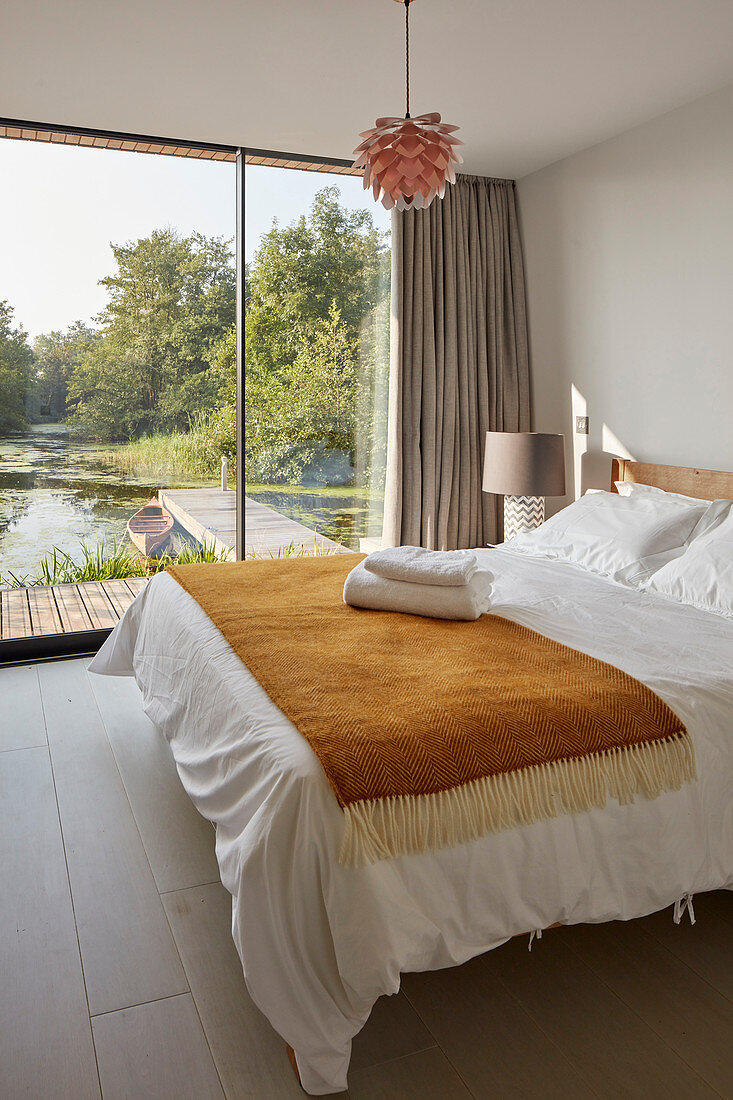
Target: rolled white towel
x=435, y=601
x=416, y=564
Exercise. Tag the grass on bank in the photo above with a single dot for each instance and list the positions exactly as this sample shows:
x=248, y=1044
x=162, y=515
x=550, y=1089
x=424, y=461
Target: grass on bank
x=185, y=454
x=104, y=563
x=298, y=550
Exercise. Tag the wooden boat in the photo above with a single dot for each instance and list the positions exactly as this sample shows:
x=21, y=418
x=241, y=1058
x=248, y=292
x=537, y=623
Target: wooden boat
x=150, y=527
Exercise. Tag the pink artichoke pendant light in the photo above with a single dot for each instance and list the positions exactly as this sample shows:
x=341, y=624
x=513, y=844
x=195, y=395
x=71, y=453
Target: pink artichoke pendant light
x=408, y=161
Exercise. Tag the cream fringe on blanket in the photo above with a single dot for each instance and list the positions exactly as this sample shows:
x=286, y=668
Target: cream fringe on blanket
x=384, y=828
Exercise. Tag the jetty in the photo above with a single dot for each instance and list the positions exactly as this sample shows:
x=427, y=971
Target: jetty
x=209, y=516
x=90, y=609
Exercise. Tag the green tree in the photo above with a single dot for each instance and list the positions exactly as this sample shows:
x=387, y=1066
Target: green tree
x=57, y=354
x=331, y=256
x=307, y=408
x=316, y=290
x=171, y=301
x=16, y=361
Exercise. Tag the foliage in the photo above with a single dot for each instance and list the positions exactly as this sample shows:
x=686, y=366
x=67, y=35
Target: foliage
x=102, y=562
x=159, y=374
x=316, y=289
x=293, y=415
x=189, y=553
x=57, y=355
x=16, y=359
x=316, y=338
x=331, y=257
x=195, y=453
x=171, y=302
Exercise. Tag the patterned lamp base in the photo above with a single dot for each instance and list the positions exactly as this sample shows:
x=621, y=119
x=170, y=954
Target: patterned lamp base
x=522, y=514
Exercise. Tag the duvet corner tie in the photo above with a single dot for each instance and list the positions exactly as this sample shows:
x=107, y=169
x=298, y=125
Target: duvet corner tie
x=536, y=935
x=685, y=902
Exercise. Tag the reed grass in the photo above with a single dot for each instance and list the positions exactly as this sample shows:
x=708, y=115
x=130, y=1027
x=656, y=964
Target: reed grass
x=195, y=453
x=103, y=562
x=298, y=550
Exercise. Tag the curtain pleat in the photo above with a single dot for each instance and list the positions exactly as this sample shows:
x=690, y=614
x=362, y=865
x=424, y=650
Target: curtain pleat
x=459, y=361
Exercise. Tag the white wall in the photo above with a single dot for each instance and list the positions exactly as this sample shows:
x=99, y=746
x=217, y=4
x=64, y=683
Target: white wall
x=629, y=260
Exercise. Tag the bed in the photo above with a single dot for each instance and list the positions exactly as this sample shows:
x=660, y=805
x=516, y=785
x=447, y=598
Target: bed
x=319, y=941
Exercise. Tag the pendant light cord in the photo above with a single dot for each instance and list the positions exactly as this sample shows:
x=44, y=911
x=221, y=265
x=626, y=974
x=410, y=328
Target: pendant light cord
x=407, y=58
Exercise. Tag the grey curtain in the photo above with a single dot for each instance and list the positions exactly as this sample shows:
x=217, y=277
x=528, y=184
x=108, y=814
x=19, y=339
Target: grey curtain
x=459, y=362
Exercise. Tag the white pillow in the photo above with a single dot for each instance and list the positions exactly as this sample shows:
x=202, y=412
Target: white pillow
x=703, y=575
x=622, y=537
x=629, y=488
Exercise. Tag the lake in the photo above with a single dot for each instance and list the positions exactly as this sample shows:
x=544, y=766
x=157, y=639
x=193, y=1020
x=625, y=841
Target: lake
x=55, y=491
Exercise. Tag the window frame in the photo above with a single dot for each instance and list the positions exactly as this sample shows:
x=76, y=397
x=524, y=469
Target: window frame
x=41, y=647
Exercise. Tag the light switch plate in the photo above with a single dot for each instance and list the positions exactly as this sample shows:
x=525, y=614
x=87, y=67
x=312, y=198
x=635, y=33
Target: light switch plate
x=581, y=425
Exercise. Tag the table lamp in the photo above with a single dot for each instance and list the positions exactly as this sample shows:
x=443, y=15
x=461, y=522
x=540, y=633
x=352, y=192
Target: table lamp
x=524, y=467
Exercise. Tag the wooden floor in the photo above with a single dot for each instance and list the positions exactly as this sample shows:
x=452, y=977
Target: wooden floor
x=120, y=979
x=65, y=608
x=210, y=515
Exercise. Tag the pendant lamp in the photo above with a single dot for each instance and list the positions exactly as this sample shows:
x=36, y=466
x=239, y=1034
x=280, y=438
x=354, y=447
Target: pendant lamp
x=408, y=161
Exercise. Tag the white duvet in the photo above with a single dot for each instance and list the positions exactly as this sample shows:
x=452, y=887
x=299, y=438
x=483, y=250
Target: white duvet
x=320, y=942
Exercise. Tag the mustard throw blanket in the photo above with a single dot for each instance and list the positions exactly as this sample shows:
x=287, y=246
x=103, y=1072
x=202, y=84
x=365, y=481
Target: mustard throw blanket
x=433, y=733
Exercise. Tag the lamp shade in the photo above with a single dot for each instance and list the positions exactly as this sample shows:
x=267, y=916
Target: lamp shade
x=521, y=464
x=408, y=161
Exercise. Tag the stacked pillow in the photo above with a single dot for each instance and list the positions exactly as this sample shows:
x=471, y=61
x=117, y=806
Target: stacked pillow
x=676, y=546
x=703, y=575
x=625, y=537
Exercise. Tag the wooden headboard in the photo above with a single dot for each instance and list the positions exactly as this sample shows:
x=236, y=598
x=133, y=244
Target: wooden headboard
x=704, y=484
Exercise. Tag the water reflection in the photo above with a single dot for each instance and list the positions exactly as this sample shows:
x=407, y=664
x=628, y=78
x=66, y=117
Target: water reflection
x=341, y=513
x=57, y=492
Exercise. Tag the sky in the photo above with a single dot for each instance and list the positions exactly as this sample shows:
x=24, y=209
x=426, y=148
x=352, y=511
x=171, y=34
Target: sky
x=63, y=205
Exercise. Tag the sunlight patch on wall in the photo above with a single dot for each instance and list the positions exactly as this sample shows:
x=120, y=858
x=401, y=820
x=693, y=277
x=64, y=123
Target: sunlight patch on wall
x=578, y=407
x=613, y=445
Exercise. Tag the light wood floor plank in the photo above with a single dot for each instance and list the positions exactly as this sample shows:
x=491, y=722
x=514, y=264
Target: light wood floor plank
x=135, y=584
x=178, y=841
x=16, y=616
x=425, y=1076
x=73, y=613
x=45, y=618
x=693, y=1018
x=492, y=1042
x=155, y=1051
x=126, y=946
x=249, y=1055
x=118, y=595
x=610, y=1046
x=98, y=607
x=46, y=1045
x=22, y=725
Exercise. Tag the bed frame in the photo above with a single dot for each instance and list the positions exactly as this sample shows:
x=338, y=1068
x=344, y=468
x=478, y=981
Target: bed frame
x=704, y=484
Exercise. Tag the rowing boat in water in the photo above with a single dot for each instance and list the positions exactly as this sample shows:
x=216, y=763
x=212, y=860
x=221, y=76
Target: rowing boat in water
x=150, y=527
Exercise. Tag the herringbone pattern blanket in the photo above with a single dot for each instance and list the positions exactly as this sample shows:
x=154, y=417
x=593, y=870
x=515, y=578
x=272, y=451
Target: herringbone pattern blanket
x=433, y=733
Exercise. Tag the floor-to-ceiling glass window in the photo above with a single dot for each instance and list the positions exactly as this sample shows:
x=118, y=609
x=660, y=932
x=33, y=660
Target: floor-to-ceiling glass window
x=317, y=359
x=117, y=309
x=118, y=352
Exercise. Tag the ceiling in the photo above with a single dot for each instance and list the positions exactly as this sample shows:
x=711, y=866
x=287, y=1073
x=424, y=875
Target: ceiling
x=528, y=81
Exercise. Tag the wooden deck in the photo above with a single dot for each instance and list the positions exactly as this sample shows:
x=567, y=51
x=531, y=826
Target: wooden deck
x=206, y=514
x=65, y=608
x=210, y=515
